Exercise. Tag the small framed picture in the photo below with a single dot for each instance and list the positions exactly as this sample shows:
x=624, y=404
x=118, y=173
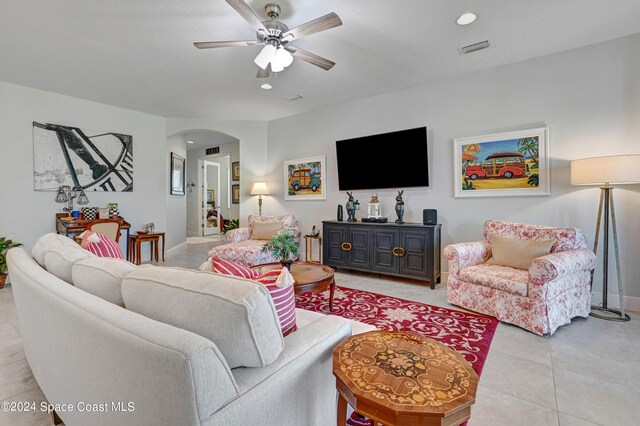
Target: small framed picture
x=235, y=194
x=235, y=171
x=103, y=213
x=177, y=174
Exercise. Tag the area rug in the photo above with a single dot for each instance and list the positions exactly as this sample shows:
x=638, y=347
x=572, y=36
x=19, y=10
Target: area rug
x=467, y=333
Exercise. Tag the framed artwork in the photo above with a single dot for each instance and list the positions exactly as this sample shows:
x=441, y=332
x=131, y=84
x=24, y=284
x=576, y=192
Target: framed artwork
x=235, y=170
x=211, y=199
x=80, y=158
x=235, y=194
x=177, y=174
x=509, y=164
x=304, y=179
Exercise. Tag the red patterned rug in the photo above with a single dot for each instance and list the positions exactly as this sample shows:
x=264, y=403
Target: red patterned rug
x=466, y=333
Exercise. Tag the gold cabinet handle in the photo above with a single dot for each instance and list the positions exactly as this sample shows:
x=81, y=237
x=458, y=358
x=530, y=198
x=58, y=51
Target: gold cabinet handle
x=398, y=251
x=346, y=246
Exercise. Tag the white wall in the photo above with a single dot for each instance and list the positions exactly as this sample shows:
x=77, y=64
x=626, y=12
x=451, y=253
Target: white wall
x=176, y=225
x=27, y=214
x=589, y=97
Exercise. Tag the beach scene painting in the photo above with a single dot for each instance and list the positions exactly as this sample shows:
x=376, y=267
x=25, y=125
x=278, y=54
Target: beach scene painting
x=304, y=179
x=505, y=164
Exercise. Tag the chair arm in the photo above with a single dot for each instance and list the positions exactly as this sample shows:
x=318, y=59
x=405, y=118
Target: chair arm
x=462, y=255
x=238, y=234
x=547, y=268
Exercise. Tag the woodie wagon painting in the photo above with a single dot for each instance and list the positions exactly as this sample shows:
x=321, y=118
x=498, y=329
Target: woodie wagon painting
x=304, y=179
x=503, y=164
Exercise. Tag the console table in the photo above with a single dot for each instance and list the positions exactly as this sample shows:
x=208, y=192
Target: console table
x=410, y=250
x=71, y=228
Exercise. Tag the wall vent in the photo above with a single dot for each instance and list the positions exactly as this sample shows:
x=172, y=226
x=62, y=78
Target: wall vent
x=474, y=47
x=214, y=150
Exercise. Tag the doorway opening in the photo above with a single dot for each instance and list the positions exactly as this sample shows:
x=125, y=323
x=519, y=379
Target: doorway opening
x=214, y=182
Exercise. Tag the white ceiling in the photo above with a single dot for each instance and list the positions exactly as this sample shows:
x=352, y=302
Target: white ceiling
x=138, y=54
x=206, y=138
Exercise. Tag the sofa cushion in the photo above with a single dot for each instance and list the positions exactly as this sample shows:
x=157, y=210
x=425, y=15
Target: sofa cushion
x=100, y=245
x=222, y=266
x=304, y=318
x=279, y=282
x=236, y=314
x=564, y=238
x=503, y=278
x=49, y=241
x=288, y=221
x=266, y=230
x=518, y=253
x=60, y=260
x=102, y=277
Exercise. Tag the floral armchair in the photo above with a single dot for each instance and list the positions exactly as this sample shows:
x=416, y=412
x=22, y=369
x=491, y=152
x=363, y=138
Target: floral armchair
x=556, y=288
x=243, y=250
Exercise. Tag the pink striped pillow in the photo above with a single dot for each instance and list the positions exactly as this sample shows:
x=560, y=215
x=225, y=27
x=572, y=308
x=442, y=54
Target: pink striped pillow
x=100, y=245
x=283, y=298
x=222, y=266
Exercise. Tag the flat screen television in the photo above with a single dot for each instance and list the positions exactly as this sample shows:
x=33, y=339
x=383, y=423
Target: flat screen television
x=389, y=160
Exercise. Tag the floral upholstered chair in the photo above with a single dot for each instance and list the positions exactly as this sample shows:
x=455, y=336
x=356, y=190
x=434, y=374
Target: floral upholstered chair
x=246, y=250
x=555, y=288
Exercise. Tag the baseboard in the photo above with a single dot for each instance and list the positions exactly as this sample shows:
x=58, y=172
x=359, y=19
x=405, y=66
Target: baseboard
x=631, y=303
x=170, y=251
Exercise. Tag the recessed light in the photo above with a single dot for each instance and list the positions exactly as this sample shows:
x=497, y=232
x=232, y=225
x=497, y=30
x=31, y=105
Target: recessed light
x=267, y=86
x=466, y=18
x=190, y=142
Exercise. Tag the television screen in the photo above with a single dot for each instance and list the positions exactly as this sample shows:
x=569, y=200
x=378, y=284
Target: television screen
x=389, y=160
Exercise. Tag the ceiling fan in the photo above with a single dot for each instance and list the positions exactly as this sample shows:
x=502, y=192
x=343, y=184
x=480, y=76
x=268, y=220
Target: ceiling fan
x=277, y=53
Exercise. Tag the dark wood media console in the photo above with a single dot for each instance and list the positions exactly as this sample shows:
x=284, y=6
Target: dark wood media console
x=410, y=250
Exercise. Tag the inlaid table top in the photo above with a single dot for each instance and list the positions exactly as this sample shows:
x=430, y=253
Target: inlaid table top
x=398, y=378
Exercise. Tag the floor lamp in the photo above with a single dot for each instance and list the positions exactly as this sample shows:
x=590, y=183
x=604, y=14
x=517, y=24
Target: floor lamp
x=259, y=189
x=607, y=171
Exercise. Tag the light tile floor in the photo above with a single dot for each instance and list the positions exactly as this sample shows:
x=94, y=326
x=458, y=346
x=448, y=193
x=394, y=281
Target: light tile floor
x=587, y=373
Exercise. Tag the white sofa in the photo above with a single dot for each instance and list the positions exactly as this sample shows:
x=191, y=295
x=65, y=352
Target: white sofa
x=85, y=349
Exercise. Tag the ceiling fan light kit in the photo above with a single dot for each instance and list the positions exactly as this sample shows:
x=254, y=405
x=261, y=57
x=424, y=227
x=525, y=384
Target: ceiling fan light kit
x=277, y=54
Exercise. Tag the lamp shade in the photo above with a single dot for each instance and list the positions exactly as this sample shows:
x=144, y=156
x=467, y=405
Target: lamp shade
x=259, y=188
x=615, y=169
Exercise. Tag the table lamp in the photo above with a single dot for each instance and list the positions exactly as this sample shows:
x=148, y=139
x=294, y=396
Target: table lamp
x=607, y=171
x=259, y=189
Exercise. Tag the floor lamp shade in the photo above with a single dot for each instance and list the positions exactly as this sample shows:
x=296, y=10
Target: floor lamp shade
x=606, y=172
x=614, y=170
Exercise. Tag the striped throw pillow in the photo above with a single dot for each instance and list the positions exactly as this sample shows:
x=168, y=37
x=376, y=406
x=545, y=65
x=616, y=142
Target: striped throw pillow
x=100, y=245
x=226, y=267
x=279, y=283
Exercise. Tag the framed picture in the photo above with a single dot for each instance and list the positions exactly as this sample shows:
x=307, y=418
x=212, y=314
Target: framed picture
x=304, y=179
x=177, y=174
x=211, y=199
x=235, y=194
x=235, y=170
x=510, y=164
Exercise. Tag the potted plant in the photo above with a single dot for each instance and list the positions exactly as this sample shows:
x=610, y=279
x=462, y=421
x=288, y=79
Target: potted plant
x=5, y=244
x=283, y=246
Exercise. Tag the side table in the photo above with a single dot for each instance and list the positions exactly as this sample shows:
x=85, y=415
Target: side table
x=135, y=244
x=308, y=244
x=398, y=378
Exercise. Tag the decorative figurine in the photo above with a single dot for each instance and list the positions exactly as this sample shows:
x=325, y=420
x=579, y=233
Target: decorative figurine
x=400, y=207
x=314, y=232
x=351, y=208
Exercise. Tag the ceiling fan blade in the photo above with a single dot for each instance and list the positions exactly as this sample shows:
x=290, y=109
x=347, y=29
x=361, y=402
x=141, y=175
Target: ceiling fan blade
x=264, y=73
x=214, y=44
x=328, y=21
x=245, y=11
x=312, y=58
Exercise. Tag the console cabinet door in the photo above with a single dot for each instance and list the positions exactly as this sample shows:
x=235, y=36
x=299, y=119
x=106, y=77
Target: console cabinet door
x=384, y=240
x=360, y=254
x=334, y=236
x=416, y=243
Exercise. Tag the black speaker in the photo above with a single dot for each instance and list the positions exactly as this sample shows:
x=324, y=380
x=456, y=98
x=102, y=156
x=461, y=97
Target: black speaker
x=430, y=216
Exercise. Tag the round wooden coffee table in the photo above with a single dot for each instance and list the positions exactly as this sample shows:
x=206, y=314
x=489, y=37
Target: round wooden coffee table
x=398, y=378
x=309, y=276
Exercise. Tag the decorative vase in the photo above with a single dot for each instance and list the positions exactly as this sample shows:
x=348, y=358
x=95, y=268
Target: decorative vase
x=340, y=215
x=3, y=278
x=286, y=263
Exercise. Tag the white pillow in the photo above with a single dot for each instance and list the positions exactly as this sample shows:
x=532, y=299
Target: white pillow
x=59, y=261
x=47, y=242
x=102, y=277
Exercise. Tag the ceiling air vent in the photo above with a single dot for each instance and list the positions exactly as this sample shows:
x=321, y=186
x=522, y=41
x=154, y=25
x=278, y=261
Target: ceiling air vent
x=214, y=150
x=474, y=47
x=294, y=98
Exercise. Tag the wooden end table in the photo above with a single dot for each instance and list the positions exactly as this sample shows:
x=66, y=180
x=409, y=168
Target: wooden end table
x=136, y=241
x=398, y=378
x=310, y=276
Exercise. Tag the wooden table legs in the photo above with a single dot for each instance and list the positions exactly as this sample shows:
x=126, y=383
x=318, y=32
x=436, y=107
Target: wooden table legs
x=136, y=240
x=342, y=410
